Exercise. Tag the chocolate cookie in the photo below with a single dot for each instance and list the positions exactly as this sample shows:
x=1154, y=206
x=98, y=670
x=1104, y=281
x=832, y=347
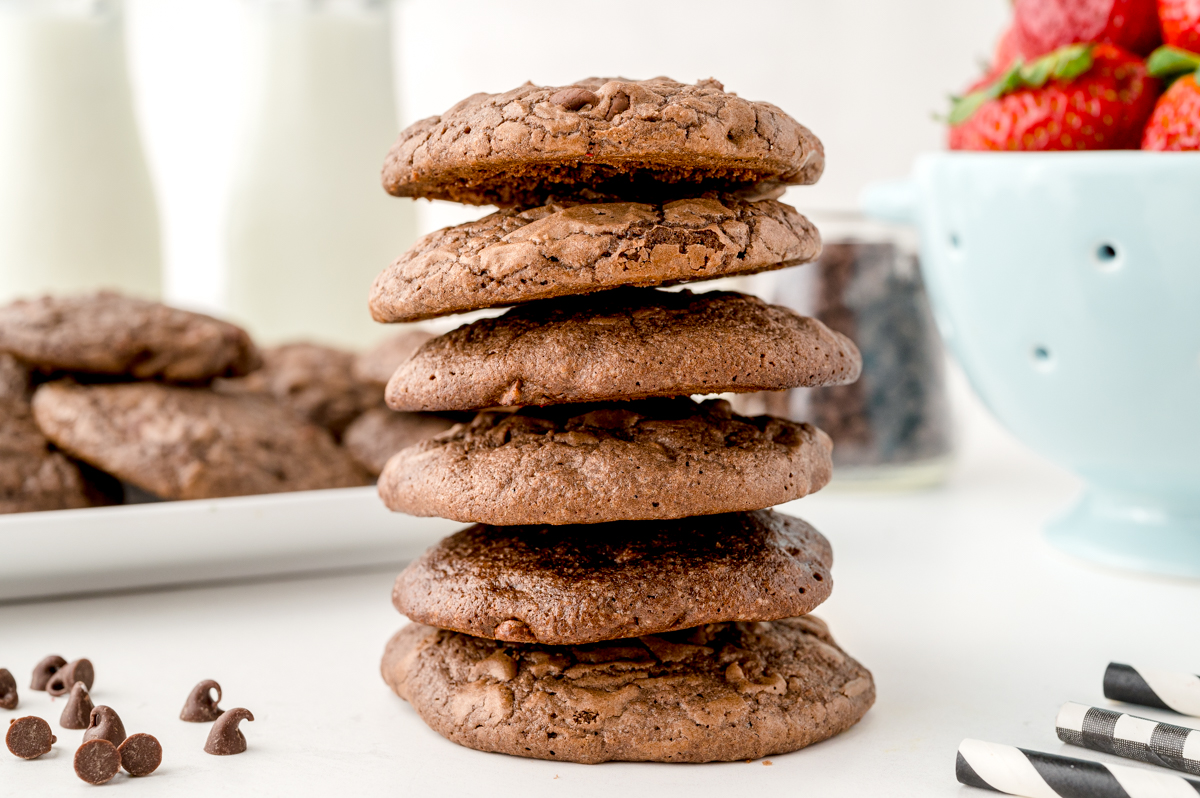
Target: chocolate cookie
x=628, y=343
x=720, y=692
x=601, y=137
x=655, y=459
x=317, y=382
x=512, y=256
x=192, y=443
x=379, y=433
x=33, y=476
x=108, y=333
x=378, y=364
x=14, y=379
x=570, y=585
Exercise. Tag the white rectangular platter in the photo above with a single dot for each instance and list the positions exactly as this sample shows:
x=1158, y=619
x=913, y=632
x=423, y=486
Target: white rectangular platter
x=142, y=545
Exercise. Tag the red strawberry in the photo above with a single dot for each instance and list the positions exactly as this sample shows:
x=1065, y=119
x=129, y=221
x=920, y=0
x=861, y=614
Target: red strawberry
x=1007, y=51
x=1081, y=97
x=1040, y=26
x=1175, y=123
x=1181, y=23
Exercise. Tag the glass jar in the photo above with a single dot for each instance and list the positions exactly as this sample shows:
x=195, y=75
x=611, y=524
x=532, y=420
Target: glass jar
x=891, y=428
x=77, y=209
x=309, y=225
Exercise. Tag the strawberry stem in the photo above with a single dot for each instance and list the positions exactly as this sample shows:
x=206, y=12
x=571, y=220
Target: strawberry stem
x=1171, y=62
x=1065, y=63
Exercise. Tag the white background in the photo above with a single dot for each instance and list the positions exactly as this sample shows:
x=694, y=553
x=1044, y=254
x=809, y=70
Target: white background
x=865, y=75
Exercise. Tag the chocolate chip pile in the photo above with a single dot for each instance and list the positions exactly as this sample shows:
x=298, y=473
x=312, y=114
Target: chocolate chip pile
x=623, y=594
x=105, y=748
x=109, y=399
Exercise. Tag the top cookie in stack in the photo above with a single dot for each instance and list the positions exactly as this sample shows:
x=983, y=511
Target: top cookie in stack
x=624, y=595
x=602, y=138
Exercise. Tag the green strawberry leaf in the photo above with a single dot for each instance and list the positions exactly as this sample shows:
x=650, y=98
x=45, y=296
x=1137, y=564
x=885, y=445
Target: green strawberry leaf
x=1037, y=73
x=1072, y=61
x=963, y=108
x=1065, y=63
x=1171, y=62
x=1010, y=81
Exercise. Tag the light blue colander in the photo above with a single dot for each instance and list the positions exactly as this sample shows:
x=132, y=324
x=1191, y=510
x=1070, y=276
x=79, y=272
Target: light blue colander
x=1068, y=287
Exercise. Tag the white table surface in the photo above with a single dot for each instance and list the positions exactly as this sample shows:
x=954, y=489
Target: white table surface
x=971, y=623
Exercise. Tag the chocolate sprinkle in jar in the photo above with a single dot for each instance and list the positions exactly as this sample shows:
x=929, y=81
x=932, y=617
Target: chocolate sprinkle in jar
x=892, y=428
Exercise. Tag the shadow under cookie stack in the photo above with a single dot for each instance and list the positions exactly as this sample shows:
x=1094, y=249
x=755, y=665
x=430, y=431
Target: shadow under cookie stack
x=622, y=595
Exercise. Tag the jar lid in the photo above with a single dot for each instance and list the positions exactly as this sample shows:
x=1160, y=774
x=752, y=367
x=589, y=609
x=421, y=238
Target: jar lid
x=837, y=225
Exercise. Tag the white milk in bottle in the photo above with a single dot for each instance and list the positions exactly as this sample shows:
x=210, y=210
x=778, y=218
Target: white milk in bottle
x=310, y=225
x=77, y=210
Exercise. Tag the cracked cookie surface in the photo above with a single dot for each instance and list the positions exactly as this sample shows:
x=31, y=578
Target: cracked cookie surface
x=721, y=692
x=566, y=464
x=192, y=443
x=513, y=256
x=601, y=139
x=571, y=585
x=108, y=333
x=628, y=343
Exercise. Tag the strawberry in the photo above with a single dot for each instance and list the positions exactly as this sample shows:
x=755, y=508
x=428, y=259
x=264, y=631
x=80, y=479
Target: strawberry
x=1181, y=23
x=1006, y=52
x=1040, y=26
x=1175, y=123
x=1080, y=97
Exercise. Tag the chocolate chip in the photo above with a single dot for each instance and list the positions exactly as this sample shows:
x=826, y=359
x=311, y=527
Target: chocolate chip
x=64, y=678
x=226, y=738
x=77, y=714
x=29, y=737
x=141, y=754
x=97, y=761
x=105, y=724
x=200, y=706
x=573, y=98
x=618, y=103
x=8, y=690
x=44, y=670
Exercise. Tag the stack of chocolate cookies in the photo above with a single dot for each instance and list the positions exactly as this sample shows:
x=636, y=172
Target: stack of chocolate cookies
x=622, y=595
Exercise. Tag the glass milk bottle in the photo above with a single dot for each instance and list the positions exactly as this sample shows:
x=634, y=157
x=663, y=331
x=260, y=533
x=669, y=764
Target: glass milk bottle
x=77, y=209
x=310, y=226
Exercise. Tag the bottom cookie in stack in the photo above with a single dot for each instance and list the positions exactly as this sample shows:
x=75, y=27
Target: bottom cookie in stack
x=718, y=692
x=669, y=641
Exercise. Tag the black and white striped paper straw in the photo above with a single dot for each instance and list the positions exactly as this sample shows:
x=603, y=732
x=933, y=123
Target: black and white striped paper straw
x=1124, y=735
x=1152, y=687
x=1016, y=771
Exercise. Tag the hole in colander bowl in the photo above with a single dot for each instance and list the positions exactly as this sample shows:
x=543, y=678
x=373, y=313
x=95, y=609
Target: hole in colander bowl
x=1043, y=358
x=955, y=242
x=1107, y=256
